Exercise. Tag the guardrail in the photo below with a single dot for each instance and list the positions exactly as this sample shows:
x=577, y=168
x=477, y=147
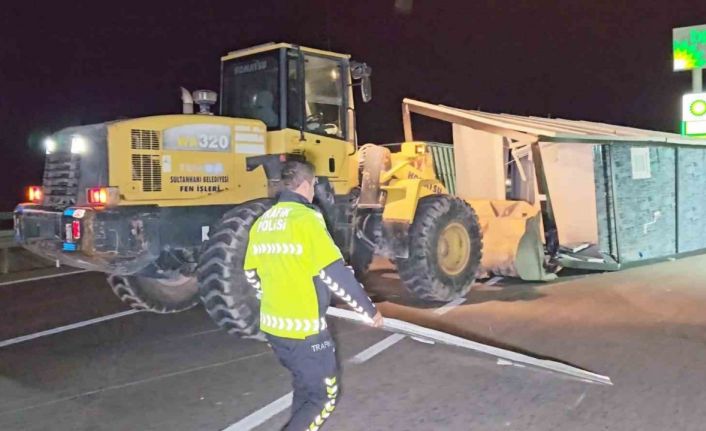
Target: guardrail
x=7, y=241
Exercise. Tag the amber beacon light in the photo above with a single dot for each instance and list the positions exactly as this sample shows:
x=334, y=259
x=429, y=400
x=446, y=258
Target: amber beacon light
x=34, y=194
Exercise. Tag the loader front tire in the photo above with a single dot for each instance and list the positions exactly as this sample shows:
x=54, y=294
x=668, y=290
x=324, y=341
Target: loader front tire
x=155, y=294
x=445, y=249
x=227, y=296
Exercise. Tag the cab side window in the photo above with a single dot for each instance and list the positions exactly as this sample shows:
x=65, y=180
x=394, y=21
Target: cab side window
x=324, y=102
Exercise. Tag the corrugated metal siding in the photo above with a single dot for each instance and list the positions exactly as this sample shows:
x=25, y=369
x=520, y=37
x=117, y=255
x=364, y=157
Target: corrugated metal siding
x=444, y=164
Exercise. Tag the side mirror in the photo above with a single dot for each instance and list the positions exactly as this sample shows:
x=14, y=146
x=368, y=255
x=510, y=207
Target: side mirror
x=362, y=72
x=366, y=89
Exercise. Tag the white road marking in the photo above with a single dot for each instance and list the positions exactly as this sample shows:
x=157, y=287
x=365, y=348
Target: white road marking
x=377, y=348
x=261, y=416
x=43, y=277
x=28, y=337
x=135, y=383
x=393, y=339
x=578, y=401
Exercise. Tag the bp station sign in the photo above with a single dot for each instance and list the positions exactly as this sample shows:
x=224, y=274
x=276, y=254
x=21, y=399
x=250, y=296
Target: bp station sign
x=694, y=114
x=689, y=53
x=689, y=47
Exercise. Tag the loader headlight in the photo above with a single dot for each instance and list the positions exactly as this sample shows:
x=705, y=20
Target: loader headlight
x=78, y=145
x=49, y=145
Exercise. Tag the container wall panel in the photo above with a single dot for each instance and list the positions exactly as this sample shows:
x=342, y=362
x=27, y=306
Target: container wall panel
x=692, y=199
x=645, y=208
x=606, y=237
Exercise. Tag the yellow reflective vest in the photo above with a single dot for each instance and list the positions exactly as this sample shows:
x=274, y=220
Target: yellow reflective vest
x=288, y=246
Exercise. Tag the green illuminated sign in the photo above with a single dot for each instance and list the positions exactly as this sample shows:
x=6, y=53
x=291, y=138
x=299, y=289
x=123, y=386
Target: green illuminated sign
x=698, y=108
x=694, y=114
x=693, y=107
x=689, y=47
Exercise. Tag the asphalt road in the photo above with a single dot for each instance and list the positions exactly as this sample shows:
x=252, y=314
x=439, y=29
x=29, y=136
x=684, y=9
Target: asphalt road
x=643, y=327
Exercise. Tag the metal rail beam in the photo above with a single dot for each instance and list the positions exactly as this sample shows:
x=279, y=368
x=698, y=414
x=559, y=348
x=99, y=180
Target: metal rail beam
x=511, y=358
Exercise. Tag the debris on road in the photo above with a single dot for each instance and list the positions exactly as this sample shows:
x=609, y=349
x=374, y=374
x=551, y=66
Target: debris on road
x=509, y=357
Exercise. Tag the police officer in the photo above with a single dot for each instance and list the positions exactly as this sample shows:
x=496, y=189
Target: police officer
x=295, y=264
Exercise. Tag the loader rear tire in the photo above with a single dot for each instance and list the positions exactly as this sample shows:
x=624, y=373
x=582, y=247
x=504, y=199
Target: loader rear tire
x=227, y=296
x=155, y=294
x=445, y=249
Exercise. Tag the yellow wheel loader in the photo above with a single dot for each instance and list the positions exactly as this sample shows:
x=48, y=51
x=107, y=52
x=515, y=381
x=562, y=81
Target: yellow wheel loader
x=164, y=204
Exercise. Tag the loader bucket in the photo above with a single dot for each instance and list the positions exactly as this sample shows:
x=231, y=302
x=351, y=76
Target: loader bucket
x=512, y=240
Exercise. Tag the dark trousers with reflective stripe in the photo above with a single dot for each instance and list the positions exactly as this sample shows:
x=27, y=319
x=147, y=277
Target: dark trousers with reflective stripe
x=314, y=369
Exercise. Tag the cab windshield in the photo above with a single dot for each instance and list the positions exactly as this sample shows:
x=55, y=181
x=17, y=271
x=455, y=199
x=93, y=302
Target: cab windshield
x=251, y=88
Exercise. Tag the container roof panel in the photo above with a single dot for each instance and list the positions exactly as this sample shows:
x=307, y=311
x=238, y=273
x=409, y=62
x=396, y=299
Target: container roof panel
x=549, y=129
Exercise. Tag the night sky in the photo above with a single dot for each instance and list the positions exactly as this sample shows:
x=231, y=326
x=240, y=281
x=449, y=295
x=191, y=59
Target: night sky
x=70, y=63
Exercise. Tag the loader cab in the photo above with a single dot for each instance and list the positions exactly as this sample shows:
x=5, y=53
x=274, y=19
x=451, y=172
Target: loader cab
x=304, y=96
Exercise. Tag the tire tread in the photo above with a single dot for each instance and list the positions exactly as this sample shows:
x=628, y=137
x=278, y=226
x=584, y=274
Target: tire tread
x=228, y=298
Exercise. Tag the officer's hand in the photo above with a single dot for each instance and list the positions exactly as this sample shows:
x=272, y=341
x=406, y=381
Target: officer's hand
x=377, y=320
